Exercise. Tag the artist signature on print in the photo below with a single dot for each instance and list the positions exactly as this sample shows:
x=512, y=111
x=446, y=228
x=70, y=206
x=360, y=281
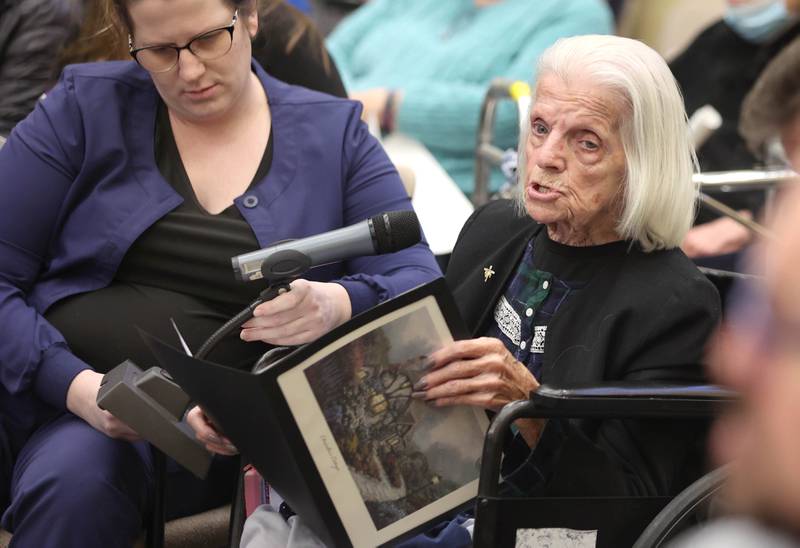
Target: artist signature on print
x=331, y=453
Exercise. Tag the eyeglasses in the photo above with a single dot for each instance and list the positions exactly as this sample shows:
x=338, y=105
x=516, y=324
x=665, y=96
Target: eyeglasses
x=207, y=46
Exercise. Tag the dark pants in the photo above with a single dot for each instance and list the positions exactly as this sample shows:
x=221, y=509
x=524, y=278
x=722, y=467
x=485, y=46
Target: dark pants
x=72, y=486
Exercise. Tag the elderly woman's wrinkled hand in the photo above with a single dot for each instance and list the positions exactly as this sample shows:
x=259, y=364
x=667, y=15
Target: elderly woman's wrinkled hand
x=301, y=315
x=482, y=373
x=479, y=372
x=207, y=433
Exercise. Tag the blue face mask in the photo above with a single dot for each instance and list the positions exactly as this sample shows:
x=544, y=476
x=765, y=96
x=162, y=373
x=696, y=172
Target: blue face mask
x=758, y=22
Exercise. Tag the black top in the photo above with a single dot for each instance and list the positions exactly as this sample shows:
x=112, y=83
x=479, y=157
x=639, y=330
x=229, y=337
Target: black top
x=192, y=245
x=642, y=317
x=178, y=268
x=548, y=275
x=576, y=264
x=719, y=68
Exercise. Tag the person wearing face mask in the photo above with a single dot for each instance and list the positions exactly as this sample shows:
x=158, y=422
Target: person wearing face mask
x=719, y=68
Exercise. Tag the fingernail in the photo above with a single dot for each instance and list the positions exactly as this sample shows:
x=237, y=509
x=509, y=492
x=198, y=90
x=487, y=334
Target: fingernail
x=211, y=438
x=421, y=384
x=421, y=395
x=429, y=363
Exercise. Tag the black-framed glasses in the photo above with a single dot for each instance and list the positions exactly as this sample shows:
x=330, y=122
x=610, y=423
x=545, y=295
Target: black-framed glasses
x=207, y=46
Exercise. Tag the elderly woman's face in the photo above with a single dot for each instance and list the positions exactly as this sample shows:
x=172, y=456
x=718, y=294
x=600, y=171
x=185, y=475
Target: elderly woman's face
x=575, y=161
x=196, y=90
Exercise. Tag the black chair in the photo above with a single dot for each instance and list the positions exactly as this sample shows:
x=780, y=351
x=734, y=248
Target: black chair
x=619, y=521
x=208, y=533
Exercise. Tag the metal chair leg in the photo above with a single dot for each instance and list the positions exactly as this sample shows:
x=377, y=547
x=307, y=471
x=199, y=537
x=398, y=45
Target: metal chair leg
x=236, y=524
x=155, y=532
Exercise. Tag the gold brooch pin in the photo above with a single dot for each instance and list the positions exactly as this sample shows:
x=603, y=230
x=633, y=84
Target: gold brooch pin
x=487, y=273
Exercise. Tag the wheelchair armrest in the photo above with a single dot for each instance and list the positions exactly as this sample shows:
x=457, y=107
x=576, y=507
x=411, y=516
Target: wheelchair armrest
x=628, y=400
x=598, y=401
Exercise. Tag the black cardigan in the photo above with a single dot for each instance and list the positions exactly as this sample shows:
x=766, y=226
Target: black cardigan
x=642, y=317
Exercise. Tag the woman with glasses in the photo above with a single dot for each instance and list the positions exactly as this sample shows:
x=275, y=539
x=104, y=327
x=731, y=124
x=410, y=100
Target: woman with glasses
x=288, y=46
x=122, y=198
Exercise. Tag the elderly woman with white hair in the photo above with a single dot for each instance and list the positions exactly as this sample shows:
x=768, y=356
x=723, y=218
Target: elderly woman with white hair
x=582, y=279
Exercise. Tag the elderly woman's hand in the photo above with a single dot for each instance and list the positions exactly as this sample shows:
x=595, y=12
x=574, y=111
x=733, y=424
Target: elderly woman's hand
x=482, y=373
x=206, y=432
x=301, y=315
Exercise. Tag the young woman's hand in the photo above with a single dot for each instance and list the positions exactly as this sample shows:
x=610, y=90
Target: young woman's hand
x=301, y=315
x=206, y=432
x=82, y=401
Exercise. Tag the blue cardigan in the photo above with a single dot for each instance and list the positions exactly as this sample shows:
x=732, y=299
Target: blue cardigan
x=79, y=184
x=442, y=54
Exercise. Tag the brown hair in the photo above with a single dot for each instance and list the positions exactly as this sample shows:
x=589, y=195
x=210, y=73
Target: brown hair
x=774, y=100
x=288, y=26
x=103, y=34
x=120, y=11
x=99, y=38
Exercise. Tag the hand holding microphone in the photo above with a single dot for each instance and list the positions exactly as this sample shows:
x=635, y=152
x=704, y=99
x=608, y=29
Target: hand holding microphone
x=311, y=309
x=301, y=315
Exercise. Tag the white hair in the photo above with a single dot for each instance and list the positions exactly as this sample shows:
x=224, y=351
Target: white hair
x=659, y=197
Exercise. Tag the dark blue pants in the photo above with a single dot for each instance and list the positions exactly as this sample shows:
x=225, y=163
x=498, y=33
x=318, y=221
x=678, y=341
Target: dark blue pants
x=72, y=486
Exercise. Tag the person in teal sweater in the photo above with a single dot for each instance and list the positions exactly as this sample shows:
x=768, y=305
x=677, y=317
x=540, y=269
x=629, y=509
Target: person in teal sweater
x=422, y=67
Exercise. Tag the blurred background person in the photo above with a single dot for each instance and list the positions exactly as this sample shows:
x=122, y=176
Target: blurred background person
x=719, y=68
x=32, y=33
x=301, y=5
x=422, y=67
x=757, y=352
x=772, y=108
x=291, y=49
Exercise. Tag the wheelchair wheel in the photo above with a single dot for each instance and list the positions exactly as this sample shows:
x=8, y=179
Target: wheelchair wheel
x=690, y=504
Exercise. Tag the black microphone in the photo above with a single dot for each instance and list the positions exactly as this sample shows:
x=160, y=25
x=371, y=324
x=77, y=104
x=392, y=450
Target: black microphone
x=384, y=233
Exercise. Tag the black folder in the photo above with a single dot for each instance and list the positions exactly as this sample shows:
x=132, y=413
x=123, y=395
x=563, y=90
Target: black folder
x=332, y=428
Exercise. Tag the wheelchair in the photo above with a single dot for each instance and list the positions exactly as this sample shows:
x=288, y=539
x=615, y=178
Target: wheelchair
x=642, y=522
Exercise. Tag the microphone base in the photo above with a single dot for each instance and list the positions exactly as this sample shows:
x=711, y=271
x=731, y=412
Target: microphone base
x=151, y=403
